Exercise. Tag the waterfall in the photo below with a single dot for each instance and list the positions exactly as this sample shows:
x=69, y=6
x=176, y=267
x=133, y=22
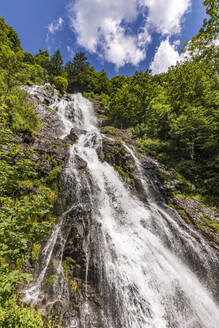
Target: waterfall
x=143, y=275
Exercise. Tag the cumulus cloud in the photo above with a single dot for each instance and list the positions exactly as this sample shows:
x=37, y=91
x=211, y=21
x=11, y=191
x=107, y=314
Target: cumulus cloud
x=166, y=15
x=165, y=56
x=101, y=27
x=108, y=28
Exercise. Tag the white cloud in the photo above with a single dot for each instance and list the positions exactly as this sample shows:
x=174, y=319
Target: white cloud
x=70, y=52
x=165, y=56
x=166, y=15
x=104, y=26
x=176, y=43
x=101, y=27
x=52, y=28
x=55, y=26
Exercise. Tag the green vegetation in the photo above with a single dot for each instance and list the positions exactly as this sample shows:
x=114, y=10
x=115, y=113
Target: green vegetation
x=61, y=83
x=35, y=252
x=26, y=203
x=27, y=197
x=211, y=224
x=12, y=315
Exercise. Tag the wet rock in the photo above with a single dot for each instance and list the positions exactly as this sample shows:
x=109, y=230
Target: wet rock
x=75, y=133
x=104, y=121
x=173, y=185
x=27, y=267
x=80, y=163
x=149, y=165
x=205, y=219
x=99, y=109
x=49, y=153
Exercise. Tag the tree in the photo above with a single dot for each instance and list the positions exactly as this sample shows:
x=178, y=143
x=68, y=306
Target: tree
x=77, y=73
x=8, y=36
x=42, y=59
x=117, y=82
x=125, y=106
x=98, y=82
x=158, y=115
x=11, y=64
x=203, y=46
x=55, y=65
x=29, y=58
x=190, y=83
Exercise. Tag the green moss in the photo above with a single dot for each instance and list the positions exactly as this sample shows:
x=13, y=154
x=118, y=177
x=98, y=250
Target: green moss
x=26, y=208
x=47, y=88
x=164, y=177
x=211, y=282
x=103, y=116
x=59, y=94
x=82, y=171
x=170, y=204
x=181, y=212
x=108, y=156
x=211, y=224
x=66, y=265
x=50, y=109
x=202, y=227
x=123, y=173
x=102, y=156
x=184, y=215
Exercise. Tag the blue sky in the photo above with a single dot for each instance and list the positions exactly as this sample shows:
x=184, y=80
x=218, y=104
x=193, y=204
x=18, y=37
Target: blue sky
x=119, y=36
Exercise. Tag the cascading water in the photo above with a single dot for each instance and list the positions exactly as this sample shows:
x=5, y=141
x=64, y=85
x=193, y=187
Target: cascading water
x=142, y=276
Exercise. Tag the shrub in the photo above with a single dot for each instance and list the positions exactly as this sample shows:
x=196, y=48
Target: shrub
x=61, y=83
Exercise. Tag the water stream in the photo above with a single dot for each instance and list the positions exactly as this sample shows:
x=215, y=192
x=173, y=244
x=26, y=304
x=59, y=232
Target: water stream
x=144, y=278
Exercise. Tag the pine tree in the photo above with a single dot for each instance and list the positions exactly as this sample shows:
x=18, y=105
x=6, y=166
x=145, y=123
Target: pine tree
x=55, y=65
x=78, y=73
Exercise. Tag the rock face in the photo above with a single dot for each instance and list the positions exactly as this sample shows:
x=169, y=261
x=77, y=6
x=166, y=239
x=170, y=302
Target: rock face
x=165, y=185
x=74, y=291
x=192, y=215
x=42, y=101
x=64, y=293
x=49, y=151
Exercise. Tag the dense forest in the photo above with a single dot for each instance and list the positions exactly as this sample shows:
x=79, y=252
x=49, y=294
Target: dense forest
x=174, y=116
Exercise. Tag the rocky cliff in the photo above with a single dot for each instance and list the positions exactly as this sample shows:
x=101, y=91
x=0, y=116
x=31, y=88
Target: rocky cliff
x=70, y=289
